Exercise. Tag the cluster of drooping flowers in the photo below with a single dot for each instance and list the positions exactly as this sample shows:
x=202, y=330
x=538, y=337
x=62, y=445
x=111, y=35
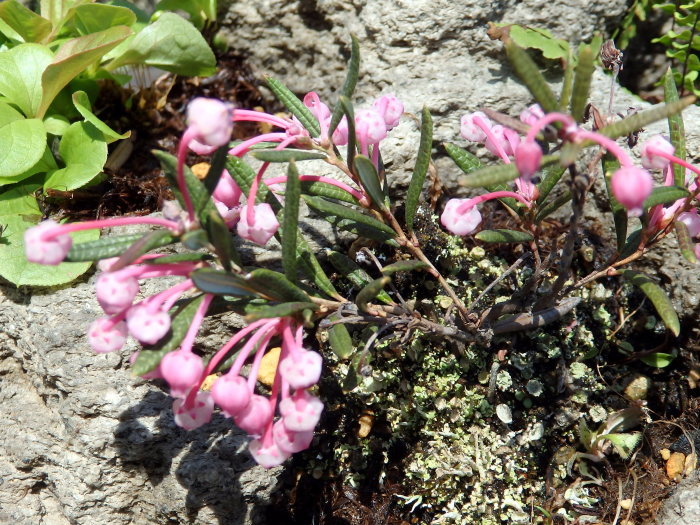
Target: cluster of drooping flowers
x=210, y=125
x=631, y=185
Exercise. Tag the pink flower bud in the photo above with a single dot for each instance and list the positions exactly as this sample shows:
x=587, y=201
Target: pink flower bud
x=470, y=128
x=145, y=326
x=631, y=186
x=254, y=418
x=369, y=126
x=460, y=222
x=116, y=291
x=302, y=368
x=318, y=108
x=50, y=251
x=531, y=114
x=106, y=336
x=390, y=108
x=264, y=225
x=227, y=191
x=301, y=411
x=231, y=393
x=267, y=456
x=340, y=135
x=181, y=370
x=650, y=159
x=290, y=441
x=527, y=159
x=212, y=120
x=194, y=417
x=692, y=220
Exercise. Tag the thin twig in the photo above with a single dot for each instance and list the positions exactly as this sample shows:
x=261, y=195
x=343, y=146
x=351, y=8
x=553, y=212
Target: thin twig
x=498, y=279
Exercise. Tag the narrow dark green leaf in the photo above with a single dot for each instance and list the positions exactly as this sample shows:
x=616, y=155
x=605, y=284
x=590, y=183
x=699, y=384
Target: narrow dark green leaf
x=216, y=168
x=350, y=82
x=503, y=236
x=675, y=127
x=354, y=273
x=287, y=155
x=568, y=83
x=464, y=160
x=553, y=206
x=323, y=189
x=530, y=75
x=308, y=263
x=145, y=244
x=370, y=180
x=340, y=340
x=220, y=238
x=685, y=242
x=275, y=286
x=494, y=175
x=657, y=297
x=664, y=195
x=420, y=170
x=219, y=282
x=551, y=175
x=624, y=127
x=610, y=166
x=352, y=137
x=295, y=106
x=582, y=82
x=290, y=222
x=631, y=244
x=101, y=248
x=195, y=239
x=201, y=200
x=178, y=258
x=243, y=174
x=353, y=218
x=403, y=266
x=149, y=358
x=280, y=310
x=369, y=292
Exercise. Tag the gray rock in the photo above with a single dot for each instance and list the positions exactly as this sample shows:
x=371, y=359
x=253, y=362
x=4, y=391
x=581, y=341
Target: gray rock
x=683, y=506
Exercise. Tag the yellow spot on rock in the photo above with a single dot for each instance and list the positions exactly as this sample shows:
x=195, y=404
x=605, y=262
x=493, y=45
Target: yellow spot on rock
x=268, y=366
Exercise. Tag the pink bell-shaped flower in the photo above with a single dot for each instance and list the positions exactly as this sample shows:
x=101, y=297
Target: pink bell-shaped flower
x=301, y=411
x=49, y=251
x=104, y=335
x=390, y=108
x=267, y=456
x=264, y=225
x=498, y=132
x=650, y=159
x=459, y=221
x=290, y=441
x=692, y=220
x=231, y=216
x=369, y=126
x=302, y=368
x=631, y=186
x=181, y=370
x=116, y=291
x=227, y=191
x=196, y=416
x=531, y=114
x=231, y=393
x=255, y=416
x=212, y=120
x=318, y=108
x=472, y=124
x=146, y=326
x=528, y=157
x=340, y=135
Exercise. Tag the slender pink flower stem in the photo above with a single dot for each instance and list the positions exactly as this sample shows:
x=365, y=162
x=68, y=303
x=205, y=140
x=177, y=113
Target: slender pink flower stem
x=250, y=210
x=162, y=299
x=255, y=367
x=668, y=179
x=274, y=394
x=607, y=144
x=290, y=342
x=247, y=115
x=242, y=148
x=470, y=203
x=196, y=322
x=318, y=178
x=187, y=137
x=375, y=156
x=490, y=136
x=548, y=119
x=109, y=223
x=675, y=160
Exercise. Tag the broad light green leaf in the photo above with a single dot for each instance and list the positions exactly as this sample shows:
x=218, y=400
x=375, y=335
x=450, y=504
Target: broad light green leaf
x=55, y=10
x=93, y=18
x=170, y=43
x=8, y=114
x=25, y=22
x=657, y=297
x=56, y=124
x=46, y=164
x=18, y=212
x=199, y=10
x=22, y=144
x=623, y=444
x=675, y=127
x=503, y=236
x=20, y=81
x=541, y=39
x=295, y=106
x=73, y=57
x=420, y=170
x=658, y=359
x=351, y=77
x=290, y=222
x=84, y=151
x=82, y=104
